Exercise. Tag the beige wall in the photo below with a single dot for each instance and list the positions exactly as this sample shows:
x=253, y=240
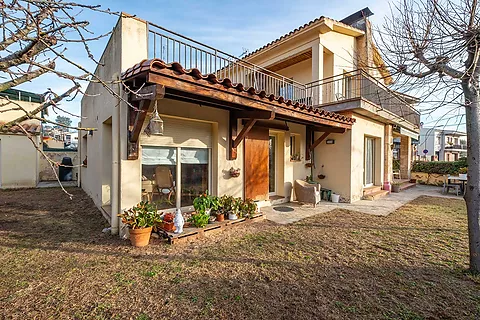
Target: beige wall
x=300, y=72
x=14, y=114
x=45, y=170
x=362, y=128
x=99, y=107
x=19, y=161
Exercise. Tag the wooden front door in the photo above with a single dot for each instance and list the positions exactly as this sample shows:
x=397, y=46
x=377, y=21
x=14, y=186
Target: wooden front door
x=256, y=149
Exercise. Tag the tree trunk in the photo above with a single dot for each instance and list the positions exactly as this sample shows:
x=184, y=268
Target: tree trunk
x=472, y=195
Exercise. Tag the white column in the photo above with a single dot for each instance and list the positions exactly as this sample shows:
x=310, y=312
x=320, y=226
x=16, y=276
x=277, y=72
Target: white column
x=317, y=70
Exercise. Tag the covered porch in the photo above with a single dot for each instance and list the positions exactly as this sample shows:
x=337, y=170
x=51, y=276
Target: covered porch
x=218, y=136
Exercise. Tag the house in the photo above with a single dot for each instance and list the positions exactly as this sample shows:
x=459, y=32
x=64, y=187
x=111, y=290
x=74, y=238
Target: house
x=442, y=145
x=314, y=103
x=19, y=160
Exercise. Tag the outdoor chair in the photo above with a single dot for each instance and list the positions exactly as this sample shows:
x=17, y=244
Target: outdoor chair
x=164, y=181
x=306, y=192
x=447, y=186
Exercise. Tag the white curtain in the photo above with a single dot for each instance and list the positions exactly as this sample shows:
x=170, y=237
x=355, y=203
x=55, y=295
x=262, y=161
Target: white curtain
x=194, y=156
x=159, y=156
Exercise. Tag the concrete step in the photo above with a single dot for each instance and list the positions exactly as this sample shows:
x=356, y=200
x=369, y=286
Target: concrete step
x=407, y=185
x=371, y=190
x=376, y=195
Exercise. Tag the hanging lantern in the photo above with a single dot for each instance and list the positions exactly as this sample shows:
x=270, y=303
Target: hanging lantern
x=156, y=123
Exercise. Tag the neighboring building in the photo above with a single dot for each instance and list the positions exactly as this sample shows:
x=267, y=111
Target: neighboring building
x=442, y=145
x=309, y=96
x=19, y=160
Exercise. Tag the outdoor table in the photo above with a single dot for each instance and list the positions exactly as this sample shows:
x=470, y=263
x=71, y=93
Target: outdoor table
x=463, y=180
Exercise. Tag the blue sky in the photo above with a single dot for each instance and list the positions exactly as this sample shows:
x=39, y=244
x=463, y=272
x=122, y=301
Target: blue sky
x=231, y=26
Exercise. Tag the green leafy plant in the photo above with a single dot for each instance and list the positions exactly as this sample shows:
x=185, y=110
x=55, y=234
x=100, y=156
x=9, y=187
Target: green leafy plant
x=226, y=204
x=199, y=220
x=142, y=215
x=204, y=202
x=439, y=167
x=463, y=170
x=249, y=208
x=237, y=205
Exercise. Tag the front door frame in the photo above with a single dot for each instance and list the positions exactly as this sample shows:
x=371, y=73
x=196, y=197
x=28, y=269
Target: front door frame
x=372, y=166
x=275, y=140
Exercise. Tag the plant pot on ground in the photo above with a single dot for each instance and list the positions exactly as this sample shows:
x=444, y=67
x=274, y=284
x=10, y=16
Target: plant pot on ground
x=396, y=187
x=140, y=219
x=168, y=224
x=220, y=217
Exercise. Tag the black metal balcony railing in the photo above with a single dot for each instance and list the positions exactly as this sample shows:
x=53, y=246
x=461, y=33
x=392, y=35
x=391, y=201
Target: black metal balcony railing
x=171, y=47
x=359, y=84
x=456, y=146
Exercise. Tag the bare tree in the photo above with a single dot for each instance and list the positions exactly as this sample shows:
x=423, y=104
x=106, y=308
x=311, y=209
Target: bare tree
x=36, y=39
x=432, y=46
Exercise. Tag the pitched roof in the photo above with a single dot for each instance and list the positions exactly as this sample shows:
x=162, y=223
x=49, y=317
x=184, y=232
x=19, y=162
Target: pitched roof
x=301, y=28
x=176, y=70
x=31, y=126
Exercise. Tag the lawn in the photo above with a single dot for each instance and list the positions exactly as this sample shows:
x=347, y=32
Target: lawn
x=56, y=263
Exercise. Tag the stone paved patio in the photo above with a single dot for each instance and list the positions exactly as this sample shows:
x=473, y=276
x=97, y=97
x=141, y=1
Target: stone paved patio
x=380, y=207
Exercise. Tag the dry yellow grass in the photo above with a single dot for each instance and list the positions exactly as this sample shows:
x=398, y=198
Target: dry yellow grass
x=56, y=263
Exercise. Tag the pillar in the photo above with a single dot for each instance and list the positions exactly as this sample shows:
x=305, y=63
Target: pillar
x=388, y=154
x=317, y=71
x=405, y=156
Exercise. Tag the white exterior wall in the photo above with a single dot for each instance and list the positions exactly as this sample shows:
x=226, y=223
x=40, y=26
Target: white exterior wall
x=19, y=161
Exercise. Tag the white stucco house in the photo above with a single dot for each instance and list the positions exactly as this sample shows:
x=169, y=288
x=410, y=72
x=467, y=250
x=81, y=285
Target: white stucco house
x=308, y=104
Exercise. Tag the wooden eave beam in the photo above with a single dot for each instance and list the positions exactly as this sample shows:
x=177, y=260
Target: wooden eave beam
x=184, y=83
x=258, y=114
x=244, y=132
x=143, y=99
x=319, y=140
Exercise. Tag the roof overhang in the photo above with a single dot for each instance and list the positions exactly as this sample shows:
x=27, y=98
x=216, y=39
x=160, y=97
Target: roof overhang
x=191, y=85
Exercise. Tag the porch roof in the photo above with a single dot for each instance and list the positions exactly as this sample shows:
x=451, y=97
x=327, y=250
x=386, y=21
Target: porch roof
x=174, y=76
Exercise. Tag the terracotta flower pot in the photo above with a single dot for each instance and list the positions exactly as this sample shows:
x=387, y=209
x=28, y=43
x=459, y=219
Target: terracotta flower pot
x=168, y=226
x=220, y=217
x=140, y=237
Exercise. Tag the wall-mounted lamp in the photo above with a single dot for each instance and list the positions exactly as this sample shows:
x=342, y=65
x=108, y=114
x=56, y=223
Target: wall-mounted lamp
x=90, y=132
x=156, y=123
x=330, y=141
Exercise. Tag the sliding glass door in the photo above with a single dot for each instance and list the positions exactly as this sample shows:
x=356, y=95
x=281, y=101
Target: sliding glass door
x=160, y=170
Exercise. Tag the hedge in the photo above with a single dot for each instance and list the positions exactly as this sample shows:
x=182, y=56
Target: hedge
x=439, y=167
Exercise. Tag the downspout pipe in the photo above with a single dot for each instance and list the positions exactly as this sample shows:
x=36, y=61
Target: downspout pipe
x=115, y=187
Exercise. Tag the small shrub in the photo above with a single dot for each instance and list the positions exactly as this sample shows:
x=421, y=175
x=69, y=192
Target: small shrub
x=439, y=167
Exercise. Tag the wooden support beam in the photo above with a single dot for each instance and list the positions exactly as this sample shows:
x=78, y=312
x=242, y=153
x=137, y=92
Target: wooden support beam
x=319, y=140
x=258, y=114
x=328, y=129
x=143, y=100
x=151, y=92
x=232, y=134
x=308, y=142
x=269, y=124
x=244, y=132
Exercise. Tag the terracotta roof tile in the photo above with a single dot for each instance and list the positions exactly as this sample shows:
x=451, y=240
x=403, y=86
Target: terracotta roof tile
x=178, y=70
x=31, y=126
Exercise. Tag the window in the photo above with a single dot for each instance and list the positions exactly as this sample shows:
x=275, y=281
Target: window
x=294, y=147
x=159, y=175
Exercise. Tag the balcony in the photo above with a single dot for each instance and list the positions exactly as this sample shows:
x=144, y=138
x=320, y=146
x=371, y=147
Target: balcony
x=360, y=85
x=172, y=47
x=456, y=147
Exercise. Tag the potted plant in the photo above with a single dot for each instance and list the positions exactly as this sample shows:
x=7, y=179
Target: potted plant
x=396, y=187
x=199, y=220
x=216, y=208
x=462, y=172
x=234, y=173
x=168, y=224
x=203, y=203
x=140, y=219
x=236, y=209
x=225, y=204
x=249, y=208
